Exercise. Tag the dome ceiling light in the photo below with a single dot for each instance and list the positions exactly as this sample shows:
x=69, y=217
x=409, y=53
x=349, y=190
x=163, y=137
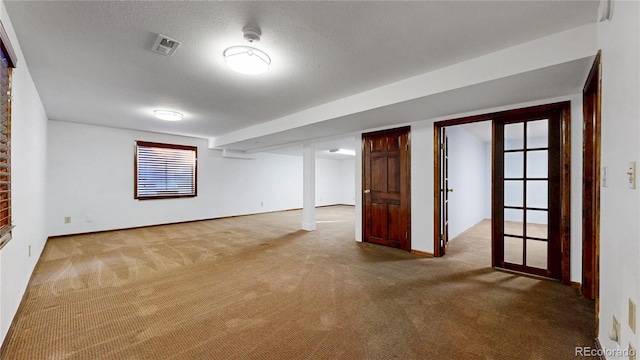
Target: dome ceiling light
x=167, y=115
x=246, y=59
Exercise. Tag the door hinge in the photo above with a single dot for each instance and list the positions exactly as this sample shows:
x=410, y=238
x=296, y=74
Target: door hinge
x=406, y=235
x=441, y=237
x=441, y=146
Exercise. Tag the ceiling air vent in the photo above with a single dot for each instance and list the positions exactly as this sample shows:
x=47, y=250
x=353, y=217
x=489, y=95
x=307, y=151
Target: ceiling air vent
x=165, y=45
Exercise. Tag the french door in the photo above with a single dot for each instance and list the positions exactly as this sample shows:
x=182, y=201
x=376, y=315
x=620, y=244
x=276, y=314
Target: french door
x=528, y=192
x=444, y=192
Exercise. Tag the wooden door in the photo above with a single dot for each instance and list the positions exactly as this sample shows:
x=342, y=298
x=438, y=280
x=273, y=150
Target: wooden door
x=527, y=206
x=591, y=184
x=386, y=186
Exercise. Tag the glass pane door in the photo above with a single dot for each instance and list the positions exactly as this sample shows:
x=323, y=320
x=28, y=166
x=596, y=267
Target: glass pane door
x=524, y=172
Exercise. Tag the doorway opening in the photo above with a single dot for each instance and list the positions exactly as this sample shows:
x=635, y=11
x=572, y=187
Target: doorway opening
x=529, y=189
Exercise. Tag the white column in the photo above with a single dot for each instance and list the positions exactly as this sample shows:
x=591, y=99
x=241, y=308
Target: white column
x=309, y=187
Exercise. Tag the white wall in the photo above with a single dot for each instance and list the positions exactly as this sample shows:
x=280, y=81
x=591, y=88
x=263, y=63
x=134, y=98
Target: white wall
x=91, y=174
x=467, y=170
x=348, y=175
x=334, y=181
x=619, y=40
x=28, y=151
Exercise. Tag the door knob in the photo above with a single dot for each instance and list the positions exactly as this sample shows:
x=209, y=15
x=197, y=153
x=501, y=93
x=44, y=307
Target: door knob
x=450, y=190
x=367, y=191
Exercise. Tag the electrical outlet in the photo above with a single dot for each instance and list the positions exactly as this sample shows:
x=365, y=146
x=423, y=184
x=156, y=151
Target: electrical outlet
x=632, y=315
x=262, y=203
x=67, y=219
x=88, y=218
x=604, y=180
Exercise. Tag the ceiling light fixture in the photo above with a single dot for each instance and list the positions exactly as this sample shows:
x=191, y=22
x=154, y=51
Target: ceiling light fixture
x=343, y=152
x=247, y=59
x=167, y=115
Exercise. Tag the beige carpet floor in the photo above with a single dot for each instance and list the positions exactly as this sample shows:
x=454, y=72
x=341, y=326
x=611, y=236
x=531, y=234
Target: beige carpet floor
x=257, y=287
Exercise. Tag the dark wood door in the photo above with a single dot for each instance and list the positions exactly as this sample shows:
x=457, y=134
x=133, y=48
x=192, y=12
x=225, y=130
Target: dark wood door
x=591, y=184
x=444, y=191
x=527, y=206
x=386, y=186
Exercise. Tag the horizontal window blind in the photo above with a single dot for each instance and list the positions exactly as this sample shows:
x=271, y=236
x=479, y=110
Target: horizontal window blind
x=165, y=170
x=5, y=150
x=7, y=63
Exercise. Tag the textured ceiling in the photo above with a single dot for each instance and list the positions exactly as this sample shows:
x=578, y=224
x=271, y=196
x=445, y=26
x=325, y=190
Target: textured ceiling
x=91, y=61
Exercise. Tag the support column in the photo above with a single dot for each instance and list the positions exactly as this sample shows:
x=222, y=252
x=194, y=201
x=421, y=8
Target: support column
x=309, y=187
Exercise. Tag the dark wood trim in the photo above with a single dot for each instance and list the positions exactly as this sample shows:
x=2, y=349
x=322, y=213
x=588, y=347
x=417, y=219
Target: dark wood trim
x=599, y=349
x=527, y=113
x=533, y=111
x=565, y=232
x=577, y=286
x=422, y=253
x=407, y=194
x=437, y=196
x=592, y=110
x=591, y=180
x=166, y=146
x=12, y=59
x=526, y=274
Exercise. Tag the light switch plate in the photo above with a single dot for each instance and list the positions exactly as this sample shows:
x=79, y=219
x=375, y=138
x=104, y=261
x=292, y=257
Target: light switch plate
x=615, y=331
x=604, y=180
x=631, y=174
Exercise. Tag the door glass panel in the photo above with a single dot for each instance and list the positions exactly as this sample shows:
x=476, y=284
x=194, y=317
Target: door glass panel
x=537, y=194
x=514, y=165
x=513, y=193
x=537, y=217
x=513, y=250
x=537, y=253
x=513, y=222
x=514, y=136
x=537, y=134
x=537, y=224
x=537, y=164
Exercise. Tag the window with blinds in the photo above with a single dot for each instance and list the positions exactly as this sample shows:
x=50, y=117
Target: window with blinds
x=8, y=61
x=165, y=171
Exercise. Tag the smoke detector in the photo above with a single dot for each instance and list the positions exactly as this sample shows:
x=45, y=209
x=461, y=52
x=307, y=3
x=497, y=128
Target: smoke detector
x=165, y=45
x=251, y=34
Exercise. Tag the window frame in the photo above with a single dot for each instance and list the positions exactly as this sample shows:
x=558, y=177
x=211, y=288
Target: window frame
x=148, y=144
x=9, y=61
